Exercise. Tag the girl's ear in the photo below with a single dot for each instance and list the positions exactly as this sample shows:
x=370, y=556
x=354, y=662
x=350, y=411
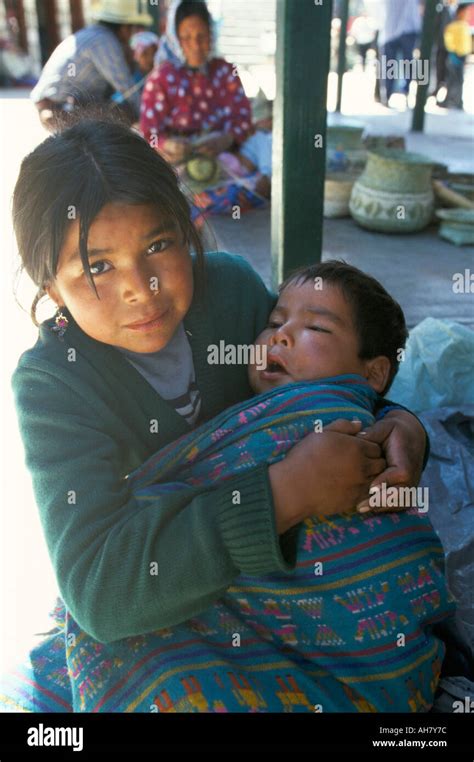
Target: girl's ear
x=378, y=372
x=53, y=293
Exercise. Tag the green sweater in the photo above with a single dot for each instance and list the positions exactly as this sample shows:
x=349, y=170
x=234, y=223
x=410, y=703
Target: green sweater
x=86, y=419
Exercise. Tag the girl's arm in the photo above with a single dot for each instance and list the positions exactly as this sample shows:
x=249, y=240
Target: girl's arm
x=126, y=567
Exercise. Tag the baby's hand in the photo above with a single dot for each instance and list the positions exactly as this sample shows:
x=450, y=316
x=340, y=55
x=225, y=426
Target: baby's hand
x=403, y=441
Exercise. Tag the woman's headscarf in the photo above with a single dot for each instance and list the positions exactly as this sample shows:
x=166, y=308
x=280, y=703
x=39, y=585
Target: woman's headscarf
x=170, y=48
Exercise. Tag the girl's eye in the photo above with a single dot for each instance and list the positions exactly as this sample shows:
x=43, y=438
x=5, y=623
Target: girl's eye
x=272, y=324
x=155, y=248
x=158, y=246
x=97, y=265
x=318, y=328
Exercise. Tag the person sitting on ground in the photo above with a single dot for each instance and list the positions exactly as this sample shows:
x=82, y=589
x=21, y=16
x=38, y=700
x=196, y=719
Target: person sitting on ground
x=91, y=65
x=129, y=272
x=193, y=93
x=255, y=154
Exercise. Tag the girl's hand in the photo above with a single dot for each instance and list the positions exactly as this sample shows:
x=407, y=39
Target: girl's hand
x=403, y=441
x=176, y=150
x=325, y=473
x=215, y=145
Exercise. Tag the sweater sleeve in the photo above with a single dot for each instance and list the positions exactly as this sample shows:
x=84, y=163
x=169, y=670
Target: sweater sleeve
x=126, y=566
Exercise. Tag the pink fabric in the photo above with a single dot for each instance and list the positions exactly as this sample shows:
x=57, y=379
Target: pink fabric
x=183, y=101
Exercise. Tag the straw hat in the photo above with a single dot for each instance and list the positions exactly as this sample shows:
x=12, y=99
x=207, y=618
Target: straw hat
x=131, y=12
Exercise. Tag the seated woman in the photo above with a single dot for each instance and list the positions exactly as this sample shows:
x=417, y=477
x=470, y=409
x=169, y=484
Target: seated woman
x=194, y=104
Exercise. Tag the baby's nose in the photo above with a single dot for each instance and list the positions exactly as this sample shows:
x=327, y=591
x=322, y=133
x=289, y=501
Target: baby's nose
x=280, y=338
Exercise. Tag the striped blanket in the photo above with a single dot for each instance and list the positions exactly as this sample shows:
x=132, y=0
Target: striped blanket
x=351, y=630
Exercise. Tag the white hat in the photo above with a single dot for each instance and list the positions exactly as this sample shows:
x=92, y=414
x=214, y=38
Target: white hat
x=131, y=12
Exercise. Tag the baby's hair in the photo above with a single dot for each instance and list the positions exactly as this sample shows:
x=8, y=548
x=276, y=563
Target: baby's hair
x=74, y=174
x=379, y=320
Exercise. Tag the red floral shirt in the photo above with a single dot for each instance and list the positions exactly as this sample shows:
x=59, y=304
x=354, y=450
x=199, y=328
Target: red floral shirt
x=186, y=102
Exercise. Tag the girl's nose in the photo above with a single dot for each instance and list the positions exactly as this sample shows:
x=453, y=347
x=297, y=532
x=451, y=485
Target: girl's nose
x=140, y=284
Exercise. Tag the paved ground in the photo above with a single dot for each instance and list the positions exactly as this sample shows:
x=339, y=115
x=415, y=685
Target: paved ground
x=416, y=269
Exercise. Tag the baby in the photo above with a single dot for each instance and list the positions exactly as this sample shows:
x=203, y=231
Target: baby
x=331, y=319
x=145, y=46
x=351, y=629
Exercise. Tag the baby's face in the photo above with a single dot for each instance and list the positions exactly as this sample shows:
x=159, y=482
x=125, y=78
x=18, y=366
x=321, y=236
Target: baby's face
x=145, y=58
x=310, y=335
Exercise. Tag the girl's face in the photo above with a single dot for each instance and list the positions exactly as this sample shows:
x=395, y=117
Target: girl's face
x=195, y=40
x=142, y=270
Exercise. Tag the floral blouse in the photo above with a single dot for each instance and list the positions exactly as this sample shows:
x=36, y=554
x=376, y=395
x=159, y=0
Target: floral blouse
x=185, y=101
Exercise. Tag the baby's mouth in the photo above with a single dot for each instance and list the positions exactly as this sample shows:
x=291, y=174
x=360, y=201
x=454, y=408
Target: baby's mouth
x=275, y=369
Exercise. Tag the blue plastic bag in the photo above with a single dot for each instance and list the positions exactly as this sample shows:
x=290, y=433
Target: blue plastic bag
x=438, y=368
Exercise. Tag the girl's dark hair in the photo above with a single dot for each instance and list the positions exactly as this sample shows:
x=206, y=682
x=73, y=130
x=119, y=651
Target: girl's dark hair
x=379, y=320
x=192, y=8
x=74, y=174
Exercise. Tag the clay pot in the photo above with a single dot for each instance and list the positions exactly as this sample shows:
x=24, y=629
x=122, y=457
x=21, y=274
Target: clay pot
x=345, y=151
x=337, y=192
x=394, y=194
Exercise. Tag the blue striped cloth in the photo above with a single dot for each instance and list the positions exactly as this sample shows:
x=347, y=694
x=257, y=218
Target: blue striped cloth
x=350, y=630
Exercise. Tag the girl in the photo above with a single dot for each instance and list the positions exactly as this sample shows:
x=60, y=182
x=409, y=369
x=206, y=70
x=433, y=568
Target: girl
x=122, y=370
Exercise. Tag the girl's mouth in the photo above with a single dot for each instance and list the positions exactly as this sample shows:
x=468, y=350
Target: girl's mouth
x=150, y=325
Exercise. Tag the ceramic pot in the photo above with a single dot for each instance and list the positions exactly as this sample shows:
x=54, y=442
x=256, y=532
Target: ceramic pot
x=337, y=192
x=345, y=151
x=394, y=194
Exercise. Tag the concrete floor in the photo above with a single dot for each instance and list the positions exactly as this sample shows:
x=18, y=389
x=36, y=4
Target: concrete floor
x=417, y=269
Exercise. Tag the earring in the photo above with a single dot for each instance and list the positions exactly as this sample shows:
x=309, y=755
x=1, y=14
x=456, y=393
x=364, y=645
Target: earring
x=61, y=324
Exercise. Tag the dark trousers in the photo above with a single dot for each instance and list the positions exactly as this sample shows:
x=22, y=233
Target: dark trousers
x=454, y=83
x=363, y=50
x=395, y=50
